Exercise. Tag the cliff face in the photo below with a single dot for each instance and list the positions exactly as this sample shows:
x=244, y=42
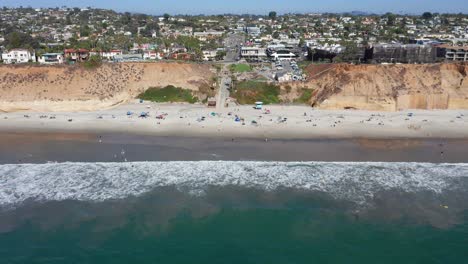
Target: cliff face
x=76, y=88
x=389, y=87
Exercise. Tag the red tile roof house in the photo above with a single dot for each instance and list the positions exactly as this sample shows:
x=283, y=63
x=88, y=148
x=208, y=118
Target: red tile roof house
x=181, y=56
x=76, y=55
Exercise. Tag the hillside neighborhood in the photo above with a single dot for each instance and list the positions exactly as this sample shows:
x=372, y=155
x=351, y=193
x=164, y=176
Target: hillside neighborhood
x=70, y=35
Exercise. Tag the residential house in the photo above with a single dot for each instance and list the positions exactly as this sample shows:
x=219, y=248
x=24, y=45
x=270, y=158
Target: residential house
x=51, y=58
x=181, y=56
x=209, y=55
x=128, y=57
x=177, y=48
x=76, y=55
x=110, y=55
x=253, y=31
x=152, y=55
x=18, y=56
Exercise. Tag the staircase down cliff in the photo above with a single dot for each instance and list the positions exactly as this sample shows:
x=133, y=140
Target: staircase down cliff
x=388, y=87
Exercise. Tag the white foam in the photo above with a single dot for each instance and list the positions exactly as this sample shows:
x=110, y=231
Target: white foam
x=357, y=182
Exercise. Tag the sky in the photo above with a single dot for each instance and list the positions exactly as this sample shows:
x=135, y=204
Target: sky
x=158, y=7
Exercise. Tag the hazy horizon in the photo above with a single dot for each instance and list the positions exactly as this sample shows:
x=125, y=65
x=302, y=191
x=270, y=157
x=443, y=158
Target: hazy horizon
x=259, y=7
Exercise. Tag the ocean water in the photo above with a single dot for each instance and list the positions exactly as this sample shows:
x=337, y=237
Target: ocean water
x=234, y=212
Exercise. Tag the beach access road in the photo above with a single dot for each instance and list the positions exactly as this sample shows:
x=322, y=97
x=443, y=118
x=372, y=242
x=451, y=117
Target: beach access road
x=275, y=121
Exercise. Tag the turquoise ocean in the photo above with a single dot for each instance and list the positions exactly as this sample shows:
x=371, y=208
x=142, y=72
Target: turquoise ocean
x=234, y=212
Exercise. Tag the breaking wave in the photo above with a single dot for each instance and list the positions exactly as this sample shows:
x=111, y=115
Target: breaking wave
x=357, y=182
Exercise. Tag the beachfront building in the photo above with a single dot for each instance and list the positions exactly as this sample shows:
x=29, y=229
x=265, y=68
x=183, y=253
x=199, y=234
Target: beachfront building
x=401, y=53
x=51, y=58
x=181, y=56
x=76, y=55
x=455, y=53
x=253, y=53
x=152, y=55
x=110, y=55
x=18, y=56
x=128, y=57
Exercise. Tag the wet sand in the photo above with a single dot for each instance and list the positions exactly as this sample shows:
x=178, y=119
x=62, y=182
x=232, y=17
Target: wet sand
x=76, y=147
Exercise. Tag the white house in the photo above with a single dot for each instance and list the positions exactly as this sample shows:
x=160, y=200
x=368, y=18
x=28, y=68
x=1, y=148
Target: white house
x=51, y=58
x=110, y=55
x=17, y=56
x=151, y=55
x=209, y=55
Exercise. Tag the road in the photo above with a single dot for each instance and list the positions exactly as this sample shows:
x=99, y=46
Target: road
x=223, y=92
x=232, y=43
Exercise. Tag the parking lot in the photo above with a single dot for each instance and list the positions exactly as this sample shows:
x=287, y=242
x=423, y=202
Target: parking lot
x=287, y=68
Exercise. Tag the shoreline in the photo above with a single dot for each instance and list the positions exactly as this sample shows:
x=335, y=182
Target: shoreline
x=37, y=148
x=280, y=122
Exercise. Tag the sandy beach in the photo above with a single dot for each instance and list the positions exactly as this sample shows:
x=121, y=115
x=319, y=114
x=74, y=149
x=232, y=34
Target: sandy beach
x=275, y=121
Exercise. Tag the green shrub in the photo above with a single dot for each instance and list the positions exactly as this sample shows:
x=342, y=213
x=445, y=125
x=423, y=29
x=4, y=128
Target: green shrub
x=168, y=94
x=249, y=92
x=305, y=96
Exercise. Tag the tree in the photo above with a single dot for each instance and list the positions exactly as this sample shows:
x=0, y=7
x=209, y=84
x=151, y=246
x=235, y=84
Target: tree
x=68, y=20
x=301, y=42
x=390, y=19
x=220, y=55
x=350, y=54
x=20, y=40
x=427, y=15
x=122, y=42
x=85, y=31
x=272, y=15
x=166, y=17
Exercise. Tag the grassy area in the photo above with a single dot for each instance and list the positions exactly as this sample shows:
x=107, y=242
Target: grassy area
x=168, y=94
x=305, y=96
x=240, y=68
x=249, y=92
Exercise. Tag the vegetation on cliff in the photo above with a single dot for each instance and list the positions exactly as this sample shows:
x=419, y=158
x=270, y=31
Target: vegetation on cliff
x=239, y=68
x=306, y=95
x=169, y=93
x=249, y=92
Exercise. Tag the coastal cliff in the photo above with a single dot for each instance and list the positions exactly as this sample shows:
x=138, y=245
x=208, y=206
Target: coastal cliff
x=330, y=86
x=388, y=87
x=74, y=88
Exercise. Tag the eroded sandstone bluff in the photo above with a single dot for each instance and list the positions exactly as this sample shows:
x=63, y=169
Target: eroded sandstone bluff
x=69, y=88
x=336, y=86
x=389, y=87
